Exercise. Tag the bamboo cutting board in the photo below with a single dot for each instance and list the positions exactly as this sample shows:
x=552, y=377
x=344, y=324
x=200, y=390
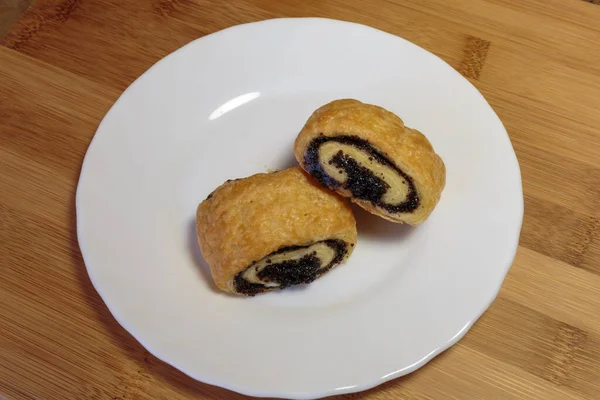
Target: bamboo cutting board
x=536, y=61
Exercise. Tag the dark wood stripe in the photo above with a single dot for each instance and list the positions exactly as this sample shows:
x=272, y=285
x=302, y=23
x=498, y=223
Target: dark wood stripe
x=66, y=9
x=562, y=351
x=35, y=19
x=474, y=57
x=569, y=237
x=577, y=251
x=165, y=7
x=16, y=40
x=566, y=343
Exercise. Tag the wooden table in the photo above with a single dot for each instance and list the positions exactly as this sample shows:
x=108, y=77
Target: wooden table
x=536, y=61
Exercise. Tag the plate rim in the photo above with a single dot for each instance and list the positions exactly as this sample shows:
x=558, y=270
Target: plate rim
x=308, y=394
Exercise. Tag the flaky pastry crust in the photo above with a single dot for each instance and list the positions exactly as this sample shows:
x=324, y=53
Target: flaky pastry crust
x=407, y=148
x=247, y=219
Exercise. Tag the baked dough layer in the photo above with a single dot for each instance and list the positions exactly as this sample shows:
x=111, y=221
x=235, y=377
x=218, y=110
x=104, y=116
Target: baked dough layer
x=395, y=172
x=245, y=220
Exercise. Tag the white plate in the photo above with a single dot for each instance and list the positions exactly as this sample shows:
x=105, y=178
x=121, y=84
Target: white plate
x=230, y=105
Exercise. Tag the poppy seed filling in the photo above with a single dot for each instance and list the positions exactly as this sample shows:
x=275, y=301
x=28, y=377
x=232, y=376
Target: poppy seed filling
x=352, y=164
x=290, y=265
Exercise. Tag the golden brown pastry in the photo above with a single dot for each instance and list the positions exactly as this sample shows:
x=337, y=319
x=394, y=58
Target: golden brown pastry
x=366, y=153
x=271, y=231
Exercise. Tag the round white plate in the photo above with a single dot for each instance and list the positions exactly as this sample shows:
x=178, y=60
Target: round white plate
x=230, y=105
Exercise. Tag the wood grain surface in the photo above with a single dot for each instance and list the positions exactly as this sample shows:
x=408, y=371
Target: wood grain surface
x=536, y=61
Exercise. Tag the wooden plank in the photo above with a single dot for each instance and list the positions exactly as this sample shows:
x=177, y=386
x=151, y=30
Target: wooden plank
x=537, y=63
x=557, y=352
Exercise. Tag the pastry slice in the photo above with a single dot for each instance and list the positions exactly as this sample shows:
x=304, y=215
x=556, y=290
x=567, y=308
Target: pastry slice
x=365, y=152
x=272, y=231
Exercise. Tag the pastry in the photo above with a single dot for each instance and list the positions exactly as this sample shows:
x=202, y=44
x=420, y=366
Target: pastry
x=271, y=231
x=365, y=152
